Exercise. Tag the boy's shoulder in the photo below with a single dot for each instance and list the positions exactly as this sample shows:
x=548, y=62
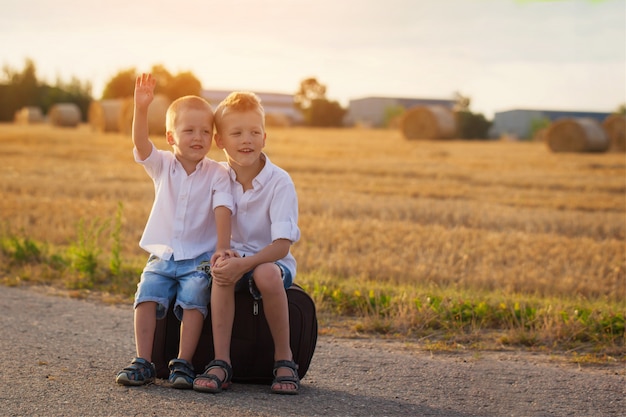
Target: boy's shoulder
x=275, y=169
x=281, y=176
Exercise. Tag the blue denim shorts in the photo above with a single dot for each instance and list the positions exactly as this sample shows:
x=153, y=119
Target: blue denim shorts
x=186, y=282
x=247, y=281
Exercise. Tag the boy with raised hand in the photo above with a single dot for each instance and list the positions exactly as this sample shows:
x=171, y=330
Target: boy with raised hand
x=187, y=230
x=265, y=225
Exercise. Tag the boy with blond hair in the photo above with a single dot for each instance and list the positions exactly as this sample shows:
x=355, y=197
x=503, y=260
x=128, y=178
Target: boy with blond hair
x=187, y=230
x=264, y=226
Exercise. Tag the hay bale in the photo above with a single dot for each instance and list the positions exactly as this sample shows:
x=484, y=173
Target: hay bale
x=428, y=122
x=104, y=115
x=156, y=115
x=28, y=115
x=125, y=122
x=64, y=115
x=576, y=135
x=615, y=128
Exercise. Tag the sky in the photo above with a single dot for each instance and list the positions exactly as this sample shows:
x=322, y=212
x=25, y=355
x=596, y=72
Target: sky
x=503, y=54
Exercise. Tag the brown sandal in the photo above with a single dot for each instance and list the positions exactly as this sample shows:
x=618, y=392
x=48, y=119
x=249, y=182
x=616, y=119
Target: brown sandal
x=293, y=379
x=220, y=384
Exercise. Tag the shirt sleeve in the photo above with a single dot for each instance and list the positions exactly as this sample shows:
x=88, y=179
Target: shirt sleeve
x=222, y=195
x=284, y=212
x=152, y=164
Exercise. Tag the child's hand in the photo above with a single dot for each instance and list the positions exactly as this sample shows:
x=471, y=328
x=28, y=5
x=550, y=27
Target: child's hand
x=222, y=254
x=228, y=271
x=144, y=90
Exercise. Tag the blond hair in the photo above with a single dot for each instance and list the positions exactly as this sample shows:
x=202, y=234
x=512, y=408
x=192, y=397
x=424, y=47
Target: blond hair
x=182, y=104
x=238, y=101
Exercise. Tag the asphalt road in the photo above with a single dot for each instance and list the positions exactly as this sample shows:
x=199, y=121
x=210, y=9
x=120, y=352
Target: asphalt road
x=60, y=357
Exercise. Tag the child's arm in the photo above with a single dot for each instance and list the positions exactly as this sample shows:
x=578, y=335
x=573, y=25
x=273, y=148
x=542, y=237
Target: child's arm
x=222, y=221
x=144, y=94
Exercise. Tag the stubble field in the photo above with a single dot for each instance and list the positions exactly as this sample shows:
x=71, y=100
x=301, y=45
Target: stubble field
x=503, y=236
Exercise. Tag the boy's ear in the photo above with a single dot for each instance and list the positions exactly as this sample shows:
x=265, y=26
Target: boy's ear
x=218, y=140
x=169, y=136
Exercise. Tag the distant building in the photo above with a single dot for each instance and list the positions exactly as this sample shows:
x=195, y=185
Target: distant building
x=276, y=105
x=370, y=111
x=518, y=123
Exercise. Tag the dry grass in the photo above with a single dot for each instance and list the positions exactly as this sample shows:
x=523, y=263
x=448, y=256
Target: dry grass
x=496, y=214
x=376, y=210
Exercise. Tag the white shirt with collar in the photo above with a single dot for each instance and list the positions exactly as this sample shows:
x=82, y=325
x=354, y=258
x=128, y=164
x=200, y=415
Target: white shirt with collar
x=265, y=213
x=182, y=221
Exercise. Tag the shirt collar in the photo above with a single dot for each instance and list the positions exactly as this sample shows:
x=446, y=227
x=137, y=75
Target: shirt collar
x=177, y=165
x=262, y=177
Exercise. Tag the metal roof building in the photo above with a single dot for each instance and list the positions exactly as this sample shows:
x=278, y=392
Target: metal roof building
x=519, y=122
x=273, y=103
x=370, y=111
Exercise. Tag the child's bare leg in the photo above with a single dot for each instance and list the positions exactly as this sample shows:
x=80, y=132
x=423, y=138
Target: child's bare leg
x=190, y=330
x=145, y=325
x=268, y=280
x=222, y=317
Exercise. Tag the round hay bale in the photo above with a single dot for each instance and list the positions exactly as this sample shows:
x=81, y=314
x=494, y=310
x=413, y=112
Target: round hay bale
x=428, y=122
x=576, y=135
x=156, y=115
x=28, y=115
x=64, y=115
x=104, y=115
x=615, y=128
x=125, y=122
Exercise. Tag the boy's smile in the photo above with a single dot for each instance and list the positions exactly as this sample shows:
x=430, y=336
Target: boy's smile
x=191, y=138
x=242, y=137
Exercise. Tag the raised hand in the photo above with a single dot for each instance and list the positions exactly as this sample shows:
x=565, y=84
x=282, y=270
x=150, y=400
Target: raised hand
x=144, y=94
x=144, y=90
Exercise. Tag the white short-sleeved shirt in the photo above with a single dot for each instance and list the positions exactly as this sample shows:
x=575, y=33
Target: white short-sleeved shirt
x=182, y=221
x=265, y=213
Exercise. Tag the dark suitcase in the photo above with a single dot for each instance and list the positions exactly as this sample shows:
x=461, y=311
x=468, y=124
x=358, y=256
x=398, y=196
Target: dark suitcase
x=252, y=348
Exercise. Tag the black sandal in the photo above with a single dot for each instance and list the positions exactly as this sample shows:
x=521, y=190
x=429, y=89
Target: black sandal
x=220, y=384
x=139, y=372
x=293, y=379
x=182, y=374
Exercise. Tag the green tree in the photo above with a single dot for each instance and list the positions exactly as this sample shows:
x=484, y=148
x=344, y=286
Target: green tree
x=461, y=102
x=472, y=125
x=310, y=89
x=183, y=84
x=20, y=88
x=173, y=86
x=316, y=109
x=324, y=113
x=469, y=125
x=122, y=84
x=163, y=79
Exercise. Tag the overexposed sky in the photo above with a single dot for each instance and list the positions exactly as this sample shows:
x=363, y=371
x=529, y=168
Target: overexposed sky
x=504, y=54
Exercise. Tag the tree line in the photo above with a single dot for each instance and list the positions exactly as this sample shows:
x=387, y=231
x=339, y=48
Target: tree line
x=21, y=88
